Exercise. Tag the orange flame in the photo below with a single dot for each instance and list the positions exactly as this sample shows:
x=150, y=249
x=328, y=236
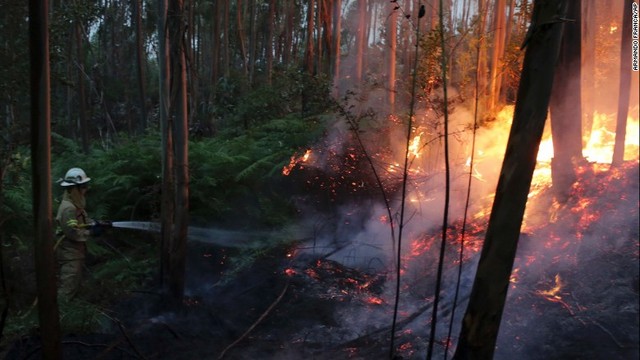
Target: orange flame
x=552, y=294
x=295, y=160
x=414, y=146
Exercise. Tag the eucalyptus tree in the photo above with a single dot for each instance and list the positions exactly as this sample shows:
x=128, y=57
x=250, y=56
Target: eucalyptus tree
x=481, y=321
x=175, y=30
x=141, y=57
x=41, y=169
x=499, y=36
x=566, y=104
x=625, y=82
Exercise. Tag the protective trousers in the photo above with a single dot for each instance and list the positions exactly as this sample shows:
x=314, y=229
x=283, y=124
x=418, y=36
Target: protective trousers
x=71, y=258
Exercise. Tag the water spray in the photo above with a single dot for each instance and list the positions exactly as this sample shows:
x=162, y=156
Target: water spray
x=220, y=237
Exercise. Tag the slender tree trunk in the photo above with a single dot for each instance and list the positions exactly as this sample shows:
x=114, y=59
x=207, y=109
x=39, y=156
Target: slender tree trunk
x=288, y=32
x=252, y=40
x=226, y=50
x=140, y=57
x=497, y=53
x=167, y=206
x=176, y=28
x=483, y=9
x=481, y=321
x=241, y=36
x=269, y=43
x=360, y=40
x=335, y=53
x=507, y=41
x=566, y=105
x=625, y=84
x=82, y=101
x=309, y=50
x=41, y=170
x=215, y=46
x=588, y=68
x=392, y=40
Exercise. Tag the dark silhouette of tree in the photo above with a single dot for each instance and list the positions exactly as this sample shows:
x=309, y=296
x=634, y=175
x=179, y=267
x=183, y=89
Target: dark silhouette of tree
x=41, y=168
x=566, y=104
x=625, y=86
x=176, y=28
x=140, y=62
x=486, y=303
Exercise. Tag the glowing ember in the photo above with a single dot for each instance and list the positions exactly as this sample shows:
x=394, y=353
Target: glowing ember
x=553, y=293
x=290, y=272
x=373, y=300
x=295, y=160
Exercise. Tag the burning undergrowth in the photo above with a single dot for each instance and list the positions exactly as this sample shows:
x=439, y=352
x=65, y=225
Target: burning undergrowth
x=574, y=287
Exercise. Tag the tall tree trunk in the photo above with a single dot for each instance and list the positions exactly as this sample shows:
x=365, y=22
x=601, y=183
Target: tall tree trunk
x=588, y=68
x=499, y=35
x=269, y=43
x=252, y=40
x=176, y=28
x=392, y=40
x=215, y=46
x=360, y=40
x=288, y=32
x=241, y=36
x=82, y=101
x=507, y=41
x=481, y=321
x=309, y=56
x=41, y=170
x=226, y=50
x=625, y=84
x=167, y=206
x=335, y=52
x=483, y=9
x=140, y=57
x=566, y=105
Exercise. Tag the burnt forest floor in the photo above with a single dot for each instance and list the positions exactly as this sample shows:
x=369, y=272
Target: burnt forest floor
x=283, y=307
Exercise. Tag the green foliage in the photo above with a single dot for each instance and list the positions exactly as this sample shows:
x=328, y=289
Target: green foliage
x=16, y=216
x=233, y=177
x=291, y=91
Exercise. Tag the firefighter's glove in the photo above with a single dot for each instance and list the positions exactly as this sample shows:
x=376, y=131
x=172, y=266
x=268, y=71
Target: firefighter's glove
x=96, y=229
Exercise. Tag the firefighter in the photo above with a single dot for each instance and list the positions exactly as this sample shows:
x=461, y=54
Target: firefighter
x=74, y=229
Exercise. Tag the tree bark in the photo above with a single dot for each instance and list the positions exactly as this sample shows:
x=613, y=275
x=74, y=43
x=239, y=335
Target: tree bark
x=140, y=61
x=335, y=52
x=41, y=169
x=177, y=262
x=625, y=85
x=82, y=101
x=566, y=105
x=269, y=43
x=360, y=40
x=241, y=36
x=309, y=50
x=167, y=205
x=588, y=68
x=486, y=303
x=252, y=41
x=499, y=36
x=392, y=40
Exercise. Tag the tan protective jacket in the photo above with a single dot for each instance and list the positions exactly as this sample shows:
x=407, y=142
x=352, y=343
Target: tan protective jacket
x=72, y=221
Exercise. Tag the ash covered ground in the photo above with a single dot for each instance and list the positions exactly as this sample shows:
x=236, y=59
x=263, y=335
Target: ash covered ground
x=574, y=295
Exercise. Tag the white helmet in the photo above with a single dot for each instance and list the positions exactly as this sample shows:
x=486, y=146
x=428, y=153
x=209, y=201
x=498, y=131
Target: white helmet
x=75, y=176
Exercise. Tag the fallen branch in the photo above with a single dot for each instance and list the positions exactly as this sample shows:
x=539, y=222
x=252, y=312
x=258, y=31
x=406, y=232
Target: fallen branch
x=264, y=315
